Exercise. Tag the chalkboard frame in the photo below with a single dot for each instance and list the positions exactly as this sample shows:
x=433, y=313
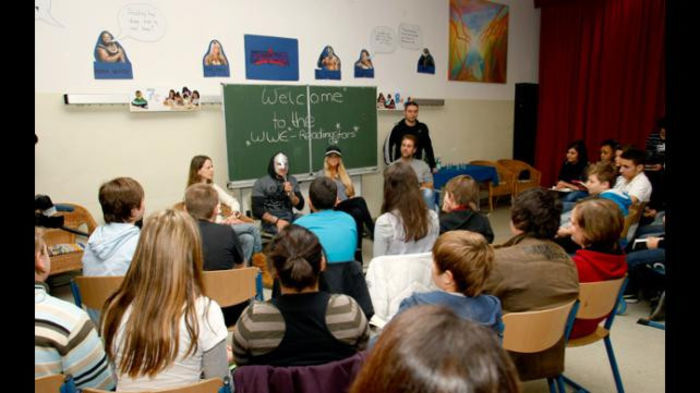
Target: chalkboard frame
x=302, y=176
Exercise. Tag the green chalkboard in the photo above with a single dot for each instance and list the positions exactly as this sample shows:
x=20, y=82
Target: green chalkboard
x=299, y=121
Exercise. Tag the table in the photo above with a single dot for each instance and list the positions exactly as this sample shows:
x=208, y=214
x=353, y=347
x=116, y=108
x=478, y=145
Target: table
x=480, y=173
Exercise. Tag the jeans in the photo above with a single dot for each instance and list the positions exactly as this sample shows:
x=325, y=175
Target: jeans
x=429, y=197
x=574, y=196
x=249, y=236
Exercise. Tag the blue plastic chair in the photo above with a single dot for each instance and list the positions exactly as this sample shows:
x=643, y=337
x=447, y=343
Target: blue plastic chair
x=599, y=299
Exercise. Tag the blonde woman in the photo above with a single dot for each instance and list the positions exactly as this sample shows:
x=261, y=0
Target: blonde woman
x=348, y=202
x=215, y=55
x=160, y=330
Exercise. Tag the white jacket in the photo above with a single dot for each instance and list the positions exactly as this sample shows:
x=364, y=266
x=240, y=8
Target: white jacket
x=392, y=278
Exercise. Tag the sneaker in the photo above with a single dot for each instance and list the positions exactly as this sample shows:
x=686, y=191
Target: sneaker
x=631, y=299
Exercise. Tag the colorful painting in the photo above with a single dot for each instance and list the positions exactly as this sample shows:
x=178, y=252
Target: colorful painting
x=478, y=41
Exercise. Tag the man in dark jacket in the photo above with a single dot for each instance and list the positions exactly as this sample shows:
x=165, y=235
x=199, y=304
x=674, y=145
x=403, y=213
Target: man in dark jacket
x=410, y=125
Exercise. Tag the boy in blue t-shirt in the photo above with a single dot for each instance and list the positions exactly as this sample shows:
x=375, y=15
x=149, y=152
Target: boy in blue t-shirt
x=462, y=261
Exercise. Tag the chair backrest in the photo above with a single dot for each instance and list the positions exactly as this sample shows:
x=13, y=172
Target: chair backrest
x=94, y=290
x=229, y=287
x=535, y=331
x=518, y=167
x=48, y=384
x=211, y=385
x=598, y=299
x=392, y=278
x=632, y=218
x=506, y=177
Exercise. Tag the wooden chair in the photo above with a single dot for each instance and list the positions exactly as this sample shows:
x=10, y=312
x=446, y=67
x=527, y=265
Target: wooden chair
x=211, y=385
x=506, y=181
x=596, y=300
x=93, y=291
x=48, y=384
x=632, y=220
x=519, y=168
x=65, y=253
x=232, y=286
x=536, y=331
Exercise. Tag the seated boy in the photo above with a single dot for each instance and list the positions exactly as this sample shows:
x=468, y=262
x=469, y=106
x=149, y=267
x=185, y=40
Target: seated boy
x=600, y=177
x=459, y=207
x=220, y=244
x=462, y=261
x=111, y=246
x=336, y=230
x=632, y=179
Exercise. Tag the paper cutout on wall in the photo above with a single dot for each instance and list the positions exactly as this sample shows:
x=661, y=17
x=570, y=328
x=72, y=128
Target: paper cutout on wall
x=141, y=22
x=42, y=12
x=328, y=64
x=214, y=62
x=363, y=66
x=164, y=100
x=426, y=63
x=383, y=39
x=392, y=101
x=111, y=61
x=411, y=36
x=271, y=58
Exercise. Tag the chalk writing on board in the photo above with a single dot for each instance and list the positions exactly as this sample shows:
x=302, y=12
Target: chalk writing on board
x=411, y=36
x=42, y=12
x=276, y=96
x=142, y=22
x=383, y=39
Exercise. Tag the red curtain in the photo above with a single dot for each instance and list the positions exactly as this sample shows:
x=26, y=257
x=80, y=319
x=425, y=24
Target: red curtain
x=601, y=76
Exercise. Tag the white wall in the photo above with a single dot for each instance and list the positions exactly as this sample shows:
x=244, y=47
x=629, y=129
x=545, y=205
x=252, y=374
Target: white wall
x=81, y=147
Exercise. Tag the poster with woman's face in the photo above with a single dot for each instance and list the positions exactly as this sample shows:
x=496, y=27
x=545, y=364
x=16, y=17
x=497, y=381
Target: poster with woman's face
x=364, y=68
x=215, y=62
x=111, y=61
x=328, y=64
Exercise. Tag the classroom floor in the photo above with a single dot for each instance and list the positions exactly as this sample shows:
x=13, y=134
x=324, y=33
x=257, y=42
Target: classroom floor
x=640, y=350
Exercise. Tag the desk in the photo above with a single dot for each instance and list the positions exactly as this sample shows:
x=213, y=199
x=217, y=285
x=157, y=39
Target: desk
x=478, y=172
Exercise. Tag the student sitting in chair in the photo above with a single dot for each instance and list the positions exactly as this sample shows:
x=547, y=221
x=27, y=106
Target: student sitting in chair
x=303, y=326
x=276, y=194
x=336, y=230
x=632, y=179
x=459, y=207
x=65, y=340
x=220, y=245
x=462, y=261
x=596, y=226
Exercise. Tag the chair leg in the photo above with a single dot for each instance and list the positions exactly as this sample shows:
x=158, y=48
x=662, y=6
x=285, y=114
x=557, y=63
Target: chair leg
x=573, y=384
x=613, y=365
x=560, y=384
x=550, y=382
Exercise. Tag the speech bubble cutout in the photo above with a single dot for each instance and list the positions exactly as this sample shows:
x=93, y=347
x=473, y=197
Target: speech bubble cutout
x=410, y=36
x=42, y=11
x=383, y=39
x=142, y=22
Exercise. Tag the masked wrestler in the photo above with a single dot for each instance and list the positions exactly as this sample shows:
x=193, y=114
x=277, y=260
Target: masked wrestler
x=275, y=194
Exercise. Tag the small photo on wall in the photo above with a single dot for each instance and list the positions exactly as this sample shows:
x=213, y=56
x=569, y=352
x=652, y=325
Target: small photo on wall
x=164, y=100
x=328, y=64
x=426, y=63
x=215, y=62
x=111, y=61
x=363, y=66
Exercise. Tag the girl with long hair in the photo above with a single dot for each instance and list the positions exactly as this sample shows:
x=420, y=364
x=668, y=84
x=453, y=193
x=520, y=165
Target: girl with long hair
x=160, y=330
x=356, y=206
x=406, y=225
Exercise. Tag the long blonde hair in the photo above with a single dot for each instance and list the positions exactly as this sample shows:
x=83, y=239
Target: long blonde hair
x=341, y=174
x=161, y=285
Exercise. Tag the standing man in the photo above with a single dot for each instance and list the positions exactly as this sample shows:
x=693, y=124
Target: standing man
x=423, y=173
x=410, y=126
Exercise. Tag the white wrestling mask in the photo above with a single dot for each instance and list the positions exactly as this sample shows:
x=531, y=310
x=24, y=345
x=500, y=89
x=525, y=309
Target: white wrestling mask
x=281, y=163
